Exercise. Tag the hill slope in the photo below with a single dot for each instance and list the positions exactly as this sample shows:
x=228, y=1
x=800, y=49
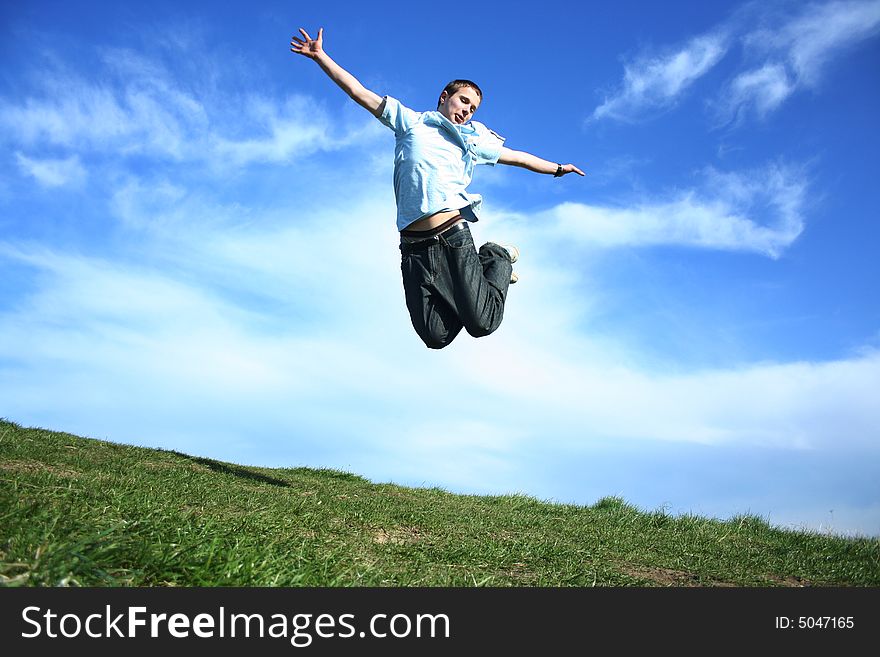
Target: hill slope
x=78, y=511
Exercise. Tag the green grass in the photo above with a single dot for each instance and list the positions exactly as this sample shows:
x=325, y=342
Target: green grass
x=82, y=512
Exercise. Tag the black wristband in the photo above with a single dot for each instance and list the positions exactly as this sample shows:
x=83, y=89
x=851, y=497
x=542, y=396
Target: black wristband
x=558, y=173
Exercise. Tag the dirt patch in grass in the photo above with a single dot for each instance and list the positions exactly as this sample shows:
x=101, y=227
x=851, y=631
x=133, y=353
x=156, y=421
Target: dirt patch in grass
x=397, y=536
x=669, y=577
x=31, y=467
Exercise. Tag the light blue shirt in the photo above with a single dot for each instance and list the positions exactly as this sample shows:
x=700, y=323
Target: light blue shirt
x=434, y=161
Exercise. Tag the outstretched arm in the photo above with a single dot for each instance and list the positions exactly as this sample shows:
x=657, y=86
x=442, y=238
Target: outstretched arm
x=535, y=163
x=314, y=49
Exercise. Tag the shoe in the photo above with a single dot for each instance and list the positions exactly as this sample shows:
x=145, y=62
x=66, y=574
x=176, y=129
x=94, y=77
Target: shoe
x=512, y=251
x=513, y=278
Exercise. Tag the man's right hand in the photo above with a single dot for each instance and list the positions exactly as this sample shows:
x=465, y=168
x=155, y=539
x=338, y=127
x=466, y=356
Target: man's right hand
x=314, y=50
x=309, y=47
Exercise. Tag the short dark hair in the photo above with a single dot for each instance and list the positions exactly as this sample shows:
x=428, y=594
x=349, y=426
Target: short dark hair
x=455, y=85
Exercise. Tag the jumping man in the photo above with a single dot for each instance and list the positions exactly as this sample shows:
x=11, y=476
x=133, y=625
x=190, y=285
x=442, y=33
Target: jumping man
x=448, y=284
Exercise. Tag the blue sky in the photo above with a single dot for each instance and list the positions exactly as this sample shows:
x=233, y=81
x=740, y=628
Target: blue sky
x=198, y=247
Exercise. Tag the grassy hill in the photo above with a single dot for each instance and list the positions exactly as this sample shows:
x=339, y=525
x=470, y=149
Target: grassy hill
x=82, y=512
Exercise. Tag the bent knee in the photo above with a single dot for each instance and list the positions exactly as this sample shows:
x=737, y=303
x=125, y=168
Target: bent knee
x=436, y=344
x=480, y=330
x=435, y=340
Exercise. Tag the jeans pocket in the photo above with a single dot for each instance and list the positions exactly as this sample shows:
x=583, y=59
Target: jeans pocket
x=461, y=239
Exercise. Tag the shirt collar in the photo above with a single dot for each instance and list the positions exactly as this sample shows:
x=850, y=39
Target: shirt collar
x=460, y=131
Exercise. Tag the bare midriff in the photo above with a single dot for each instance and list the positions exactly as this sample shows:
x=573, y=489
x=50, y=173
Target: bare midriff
x=427, y=223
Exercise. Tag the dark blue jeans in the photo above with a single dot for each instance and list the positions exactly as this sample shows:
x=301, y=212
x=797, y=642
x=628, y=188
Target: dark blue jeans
x=449, y=285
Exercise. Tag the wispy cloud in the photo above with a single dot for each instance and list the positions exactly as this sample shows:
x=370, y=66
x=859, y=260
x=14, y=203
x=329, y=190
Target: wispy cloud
x=810, y=41
x=781, y=54
x=88, y=116
x=656, y=83
x=795, y=56
x=53, y=172
x=759, y=211
x=764, y=89
x=140, y=108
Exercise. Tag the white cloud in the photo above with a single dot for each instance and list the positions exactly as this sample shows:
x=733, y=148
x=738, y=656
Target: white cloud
x=140, y=108
x=51, y=172
x=795, y=55
x=653, y=83
x=571, y=392
x=822, y=32
x=284, y=133
x=759, y=211
x=177, y=335
x=143, y=337
x=765, y=89
x=83, y=115
x=791, y=55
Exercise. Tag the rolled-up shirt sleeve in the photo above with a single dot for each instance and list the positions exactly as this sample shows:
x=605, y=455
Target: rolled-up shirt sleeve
x=397, y=116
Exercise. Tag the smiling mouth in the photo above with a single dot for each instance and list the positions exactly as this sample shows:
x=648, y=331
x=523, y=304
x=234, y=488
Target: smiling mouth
x=459, y=118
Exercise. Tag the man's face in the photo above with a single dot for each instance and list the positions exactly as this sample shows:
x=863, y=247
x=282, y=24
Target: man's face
x=459, y=106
